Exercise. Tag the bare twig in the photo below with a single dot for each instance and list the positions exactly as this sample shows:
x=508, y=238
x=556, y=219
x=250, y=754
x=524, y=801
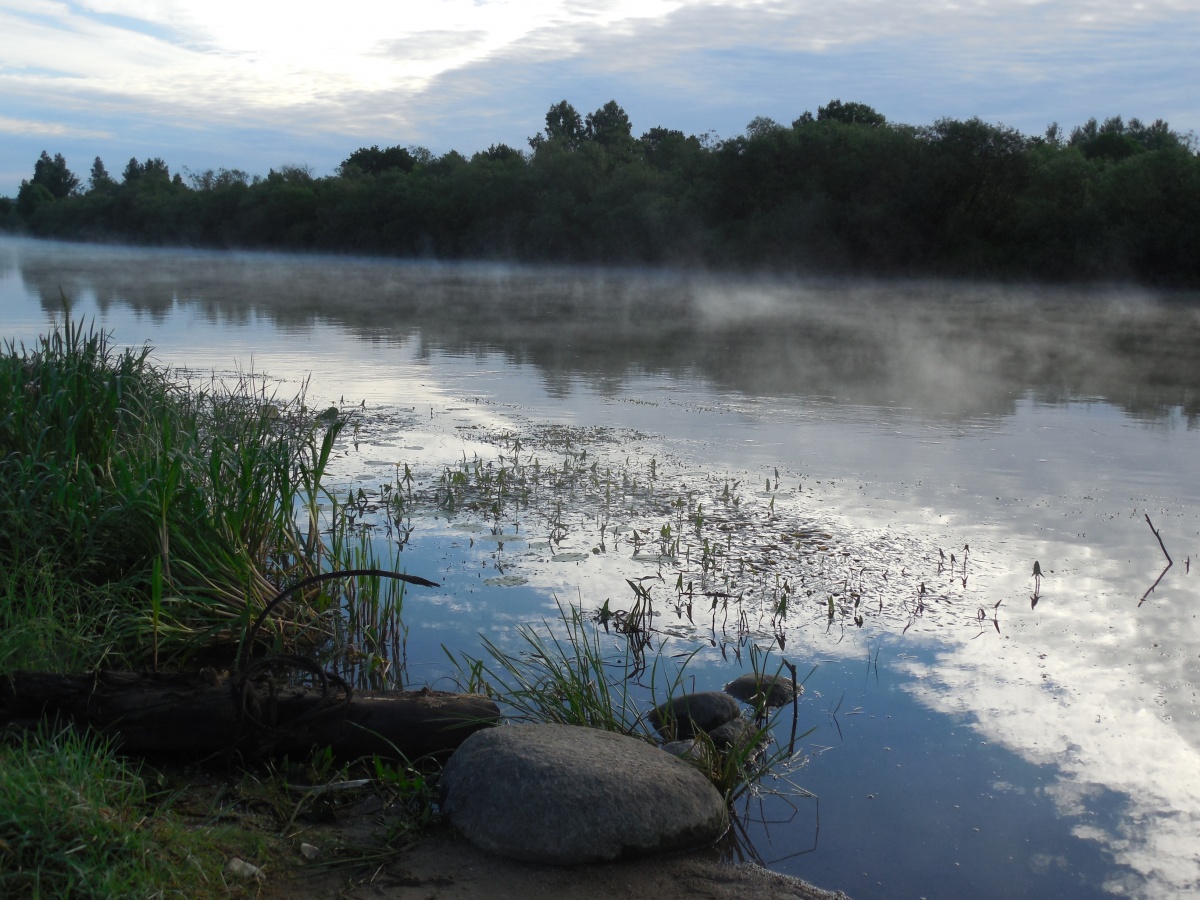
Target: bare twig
x=1150, y=590
x=1170, y=562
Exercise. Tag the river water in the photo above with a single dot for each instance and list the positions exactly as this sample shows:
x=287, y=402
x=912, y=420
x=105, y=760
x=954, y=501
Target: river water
x=883, y=462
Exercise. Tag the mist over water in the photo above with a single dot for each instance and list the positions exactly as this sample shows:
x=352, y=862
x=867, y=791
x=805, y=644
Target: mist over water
x=985, y=745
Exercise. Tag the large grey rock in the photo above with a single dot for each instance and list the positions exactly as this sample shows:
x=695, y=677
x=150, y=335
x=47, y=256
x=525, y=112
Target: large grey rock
x=564, y=795
x=767, y=690
x=689, y=713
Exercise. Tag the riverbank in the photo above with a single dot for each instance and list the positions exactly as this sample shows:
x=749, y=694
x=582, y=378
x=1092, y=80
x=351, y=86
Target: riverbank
x=443, y=866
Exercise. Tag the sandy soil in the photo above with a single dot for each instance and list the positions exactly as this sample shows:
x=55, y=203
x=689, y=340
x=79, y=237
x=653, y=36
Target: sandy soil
x=442, y=866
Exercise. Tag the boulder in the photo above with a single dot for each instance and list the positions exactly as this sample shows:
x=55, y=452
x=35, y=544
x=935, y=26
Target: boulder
x=767, y=690
x=563, y=794
x=736, y=735
x=682, y=716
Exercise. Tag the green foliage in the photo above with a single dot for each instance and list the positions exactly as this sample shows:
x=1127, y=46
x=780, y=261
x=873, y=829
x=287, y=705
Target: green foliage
x=373, y=161
x=610, y=127
x=100, y=180
x=32, y=197
x=844, y=190
x=413, y=795
x=851, y=114
x=563, y=126
x=145, y=520
x=566, y=675
x=54, y=176
x=567, y=679
x=76, y=821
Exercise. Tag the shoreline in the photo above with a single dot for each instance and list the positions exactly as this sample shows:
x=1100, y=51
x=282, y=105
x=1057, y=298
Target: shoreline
x=441, y=865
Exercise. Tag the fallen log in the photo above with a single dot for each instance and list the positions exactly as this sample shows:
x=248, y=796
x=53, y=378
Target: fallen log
x=205, y=712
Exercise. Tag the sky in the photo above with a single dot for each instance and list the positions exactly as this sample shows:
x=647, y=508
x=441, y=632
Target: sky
x=209, y=84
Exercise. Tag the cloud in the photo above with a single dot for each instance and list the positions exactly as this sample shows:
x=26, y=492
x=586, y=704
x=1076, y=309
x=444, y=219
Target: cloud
x=431, y=45
x=462, y=74
x=47, y=129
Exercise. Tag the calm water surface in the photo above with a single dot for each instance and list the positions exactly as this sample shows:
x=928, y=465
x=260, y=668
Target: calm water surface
x=968, y=740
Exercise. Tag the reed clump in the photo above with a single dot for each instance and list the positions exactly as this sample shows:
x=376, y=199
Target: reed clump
x=566, y=672
x=144, y=519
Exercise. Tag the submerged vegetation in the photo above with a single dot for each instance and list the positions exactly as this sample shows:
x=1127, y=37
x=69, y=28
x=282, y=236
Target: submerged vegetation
x=843, y=190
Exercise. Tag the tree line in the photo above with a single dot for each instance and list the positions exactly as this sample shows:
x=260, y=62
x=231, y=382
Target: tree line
x=843, y=190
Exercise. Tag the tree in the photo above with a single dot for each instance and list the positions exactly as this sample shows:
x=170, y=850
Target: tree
x=373, y=161
x=153, y=169
x=208, y=180
x=100, y=180
x=666, y=148
x=563, y=126
x=500, y=153
x=609, y=126
x=1081, y=134
x=31, y=197
x=850, y=114
x=762, y=125
x=1155, y=136
x=54, y=176
x=978, y=171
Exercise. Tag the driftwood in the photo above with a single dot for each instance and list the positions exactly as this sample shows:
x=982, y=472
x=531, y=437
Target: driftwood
x=203, y=712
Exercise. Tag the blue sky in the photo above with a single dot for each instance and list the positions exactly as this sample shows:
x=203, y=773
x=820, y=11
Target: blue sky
x=217, y=83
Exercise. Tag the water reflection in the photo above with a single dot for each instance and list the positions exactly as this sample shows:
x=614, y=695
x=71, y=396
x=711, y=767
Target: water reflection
x=904, y=422
x=941, y=350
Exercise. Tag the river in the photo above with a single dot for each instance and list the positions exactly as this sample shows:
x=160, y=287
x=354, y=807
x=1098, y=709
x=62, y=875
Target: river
x=885, y=462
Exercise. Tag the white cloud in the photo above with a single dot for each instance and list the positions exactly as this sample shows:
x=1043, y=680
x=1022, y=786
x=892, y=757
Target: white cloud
x=47, y=129
x=463, y=74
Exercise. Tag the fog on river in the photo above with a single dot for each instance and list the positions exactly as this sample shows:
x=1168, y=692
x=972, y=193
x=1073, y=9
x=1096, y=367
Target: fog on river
x=975, y=734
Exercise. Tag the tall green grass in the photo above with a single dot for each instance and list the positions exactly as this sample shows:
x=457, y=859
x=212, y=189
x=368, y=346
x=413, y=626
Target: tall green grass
x=143, y=518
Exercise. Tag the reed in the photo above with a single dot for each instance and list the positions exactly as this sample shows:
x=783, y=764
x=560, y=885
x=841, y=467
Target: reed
x=565, y=673
x=147, y=519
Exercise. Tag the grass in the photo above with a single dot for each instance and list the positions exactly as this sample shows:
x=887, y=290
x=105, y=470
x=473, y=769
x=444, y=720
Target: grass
x=144, y=520
x=147, y=522
x=566, y=673
x=78, y=821
x=565, y=678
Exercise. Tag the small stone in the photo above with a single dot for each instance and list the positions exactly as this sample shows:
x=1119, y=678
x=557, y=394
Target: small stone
x=689, y=749
x=239, y=868
x=735, y=735
x=308, y=851
x=769, y=690
x=687, y=714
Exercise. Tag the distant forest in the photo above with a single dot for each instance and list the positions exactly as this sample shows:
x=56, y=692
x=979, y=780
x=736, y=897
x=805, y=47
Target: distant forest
x=844, y=191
